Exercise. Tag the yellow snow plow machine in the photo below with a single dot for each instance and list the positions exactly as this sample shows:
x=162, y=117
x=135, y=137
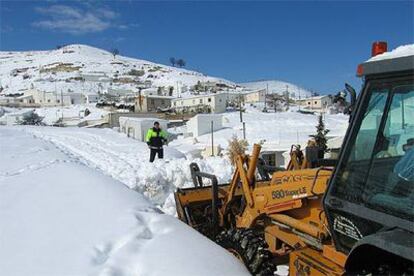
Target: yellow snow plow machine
x=351, y=217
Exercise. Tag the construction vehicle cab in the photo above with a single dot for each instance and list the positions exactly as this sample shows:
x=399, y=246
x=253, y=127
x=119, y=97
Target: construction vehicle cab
x=370, y=200
x=353, y=216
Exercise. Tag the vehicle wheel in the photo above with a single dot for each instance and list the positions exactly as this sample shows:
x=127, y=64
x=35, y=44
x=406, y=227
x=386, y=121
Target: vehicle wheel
x=249, y=247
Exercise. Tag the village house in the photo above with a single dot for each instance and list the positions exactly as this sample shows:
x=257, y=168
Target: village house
x=214, y=103
x=37, y=98
x=137, y=128
x=95, y=77
x=204, y=86
x=319, y=103
x=91, y=97
x=117, y=91
x=254, y=96
x=152, y=103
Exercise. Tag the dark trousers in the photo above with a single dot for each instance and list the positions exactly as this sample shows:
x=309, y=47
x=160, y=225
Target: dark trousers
x=153, y=152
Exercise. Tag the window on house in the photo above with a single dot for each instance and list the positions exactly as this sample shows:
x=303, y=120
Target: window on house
x=201, y=101
x=209, y=100
x=308, y=102
x=152, y=101
x=58, y=101
x=220, y=100
x=48, y=101
x=72, y=101
x=316, y=102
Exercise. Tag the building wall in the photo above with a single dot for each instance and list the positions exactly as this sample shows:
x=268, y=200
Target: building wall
x=216, y=102
x=201, y=124
x=91, y=98
x=151, y=104
x=137, y=127
x=316, y=103
x=254, y=97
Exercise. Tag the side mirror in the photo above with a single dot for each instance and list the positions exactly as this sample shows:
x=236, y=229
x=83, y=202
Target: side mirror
x=352, y=94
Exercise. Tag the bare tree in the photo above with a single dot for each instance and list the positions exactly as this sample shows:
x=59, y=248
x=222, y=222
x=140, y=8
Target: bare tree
x=173, y=61
x=114, y=52
x=180, y=62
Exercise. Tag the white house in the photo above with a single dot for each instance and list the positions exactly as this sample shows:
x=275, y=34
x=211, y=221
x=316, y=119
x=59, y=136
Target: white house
x=254, y=96
x=201, y=124
x=120, y=91
x=216, y=103
x=319, y=103
x=91, y=97
x=96, y=77
x=138, y=127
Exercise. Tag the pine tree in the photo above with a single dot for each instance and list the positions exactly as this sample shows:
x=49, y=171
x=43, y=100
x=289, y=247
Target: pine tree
x=320, y=136
x=31, y=119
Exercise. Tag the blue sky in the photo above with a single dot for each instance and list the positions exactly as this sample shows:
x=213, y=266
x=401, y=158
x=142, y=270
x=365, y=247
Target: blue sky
x=314, y=44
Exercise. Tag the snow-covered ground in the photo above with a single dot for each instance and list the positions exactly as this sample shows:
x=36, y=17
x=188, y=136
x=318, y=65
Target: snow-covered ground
x=277, y=131
x=81, y=201
x=126, y=160
x=60, y=217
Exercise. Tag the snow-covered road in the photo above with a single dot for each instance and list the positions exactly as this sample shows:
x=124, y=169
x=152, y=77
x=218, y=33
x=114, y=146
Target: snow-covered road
x=60, y=217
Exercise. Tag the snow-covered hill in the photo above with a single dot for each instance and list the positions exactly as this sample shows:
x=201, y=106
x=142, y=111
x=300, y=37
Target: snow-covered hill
x=82, y=68
x=85, y=69
x=279, y=87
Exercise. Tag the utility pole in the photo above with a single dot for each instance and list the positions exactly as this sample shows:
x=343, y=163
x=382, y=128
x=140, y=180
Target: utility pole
x=287, y=96
x=266, y=93
x=212, y=138
x=240, y=107
x=61, y=102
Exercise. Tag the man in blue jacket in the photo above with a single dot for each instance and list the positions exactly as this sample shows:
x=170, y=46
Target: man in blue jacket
x=155, y=138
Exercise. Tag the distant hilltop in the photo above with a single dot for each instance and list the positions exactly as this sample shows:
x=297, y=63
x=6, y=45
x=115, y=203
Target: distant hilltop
x=279, y=87
x=86, y=69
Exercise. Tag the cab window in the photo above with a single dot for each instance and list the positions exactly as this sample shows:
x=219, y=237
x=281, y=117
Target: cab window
x=379, y=169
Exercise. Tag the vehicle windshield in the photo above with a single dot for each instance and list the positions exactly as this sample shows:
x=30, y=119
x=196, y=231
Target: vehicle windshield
x=378, y=171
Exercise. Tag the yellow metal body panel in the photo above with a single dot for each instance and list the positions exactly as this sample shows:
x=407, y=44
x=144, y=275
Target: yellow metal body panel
x=288, y=208
x=311, y=262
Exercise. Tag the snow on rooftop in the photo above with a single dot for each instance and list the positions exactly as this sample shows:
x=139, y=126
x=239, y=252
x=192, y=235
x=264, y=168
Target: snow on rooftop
x=401, y=51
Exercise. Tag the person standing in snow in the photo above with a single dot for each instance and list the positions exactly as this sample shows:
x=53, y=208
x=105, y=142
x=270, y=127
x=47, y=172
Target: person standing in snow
x=155, y=138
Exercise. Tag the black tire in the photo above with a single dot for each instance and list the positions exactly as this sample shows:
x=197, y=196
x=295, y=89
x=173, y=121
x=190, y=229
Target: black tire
x=249, y=247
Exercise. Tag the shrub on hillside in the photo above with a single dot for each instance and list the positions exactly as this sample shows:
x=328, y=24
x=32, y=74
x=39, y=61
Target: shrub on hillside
x=134, y=72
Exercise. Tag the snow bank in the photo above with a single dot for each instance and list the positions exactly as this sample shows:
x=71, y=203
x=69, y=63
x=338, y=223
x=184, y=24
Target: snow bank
x=126, y=160
x=277, y=131
x=59, y=217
